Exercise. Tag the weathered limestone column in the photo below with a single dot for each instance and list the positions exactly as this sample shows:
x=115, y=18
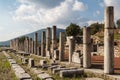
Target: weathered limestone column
x=35, y=43
x=11, y=44
x=39, y=50
x=32, y=48
x=30, y=45
x=86, y=48
x=61, y=46
x=71, y=48
x=53, y=39
x=26, y=44
x=48, y=34
x=109, y=41
x=43, y=44
x=17, y=43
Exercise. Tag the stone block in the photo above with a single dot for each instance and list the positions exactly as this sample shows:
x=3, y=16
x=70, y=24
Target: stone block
x=54, y=62
x=94, y=79
x=23, y=76
x=31, y=62
x=56, y=54
x=53, y=67
x=43, y=62
x=48, y=54
x=57, y=70
x=19, y=70
x=77, y=58
x=25, y=60
x=44, y=76
x=71, y=73
x=49, y=79
x=37, y=71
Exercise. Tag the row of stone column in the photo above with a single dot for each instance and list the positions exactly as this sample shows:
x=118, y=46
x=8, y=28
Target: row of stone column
x=108, y=43
x=46, y=49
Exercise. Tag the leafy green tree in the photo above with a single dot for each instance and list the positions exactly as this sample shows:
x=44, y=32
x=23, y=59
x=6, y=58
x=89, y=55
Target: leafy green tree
x=73, y=30
x=21, y=39
x=118, y=23
x=96, y=27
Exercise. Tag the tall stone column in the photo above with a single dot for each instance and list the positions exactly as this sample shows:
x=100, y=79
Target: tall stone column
x=39, y=50
x=16, y=41
x=43, y=44
x=86, y=48
x=71, y=48
x=30, y=45
x=48, y=34
x=32, y=48
x=27, y=45
x=35, y=43
x=10, y=43
x=24, y=47
x=53, y=39
x=61, y=46
x=109, y=41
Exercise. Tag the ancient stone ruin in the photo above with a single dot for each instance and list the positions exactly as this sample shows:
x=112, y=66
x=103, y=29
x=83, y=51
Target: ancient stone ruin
x=68, y=52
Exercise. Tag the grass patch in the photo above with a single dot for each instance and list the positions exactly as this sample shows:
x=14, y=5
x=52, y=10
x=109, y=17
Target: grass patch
x=25, y=67
x=6, y=72
x=117, y=36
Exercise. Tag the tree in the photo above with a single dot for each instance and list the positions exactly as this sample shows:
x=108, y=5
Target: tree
x=21, y=39
x=96, y=27
x=73, y=30
x=118, y=23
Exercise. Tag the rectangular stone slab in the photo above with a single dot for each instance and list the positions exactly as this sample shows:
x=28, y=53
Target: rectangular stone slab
x=55, y=66
x=23, y=76
x=44, y=76
x=71, y=73
x=49, y=79
x=94, y=79
x=57, y=70
x=38, y=71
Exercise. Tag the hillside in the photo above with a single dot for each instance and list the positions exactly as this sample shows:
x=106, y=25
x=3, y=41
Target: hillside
x=31, y=35
x=116, y=35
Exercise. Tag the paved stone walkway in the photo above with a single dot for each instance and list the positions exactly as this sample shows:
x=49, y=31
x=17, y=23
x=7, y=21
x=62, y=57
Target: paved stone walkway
x=19, y=71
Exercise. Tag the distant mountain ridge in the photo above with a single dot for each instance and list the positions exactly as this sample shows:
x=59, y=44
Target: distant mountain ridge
x=31, y=35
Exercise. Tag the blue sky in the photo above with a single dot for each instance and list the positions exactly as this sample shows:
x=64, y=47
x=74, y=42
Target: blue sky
x=19, y=17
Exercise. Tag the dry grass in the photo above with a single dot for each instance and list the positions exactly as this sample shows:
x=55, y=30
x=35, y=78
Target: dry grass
x=6, y=72
x=25, y=67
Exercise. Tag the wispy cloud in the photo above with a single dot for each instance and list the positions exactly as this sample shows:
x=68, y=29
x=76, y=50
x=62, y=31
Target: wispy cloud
x=116, y=4
x=67, y=11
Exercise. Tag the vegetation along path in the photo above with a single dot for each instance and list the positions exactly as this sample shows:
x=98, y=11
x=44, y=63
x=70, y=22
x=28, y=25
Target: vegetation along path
x=6, y=72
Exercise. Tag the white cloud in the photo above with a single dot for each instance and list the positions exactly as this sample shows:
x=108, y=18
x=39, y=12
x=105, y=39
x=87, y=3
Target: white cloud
x=11, y=35
x=116, y=4
x=94, y=21
x=96, y=13
x=62, y=14
x=79, y=6
x=102, y=4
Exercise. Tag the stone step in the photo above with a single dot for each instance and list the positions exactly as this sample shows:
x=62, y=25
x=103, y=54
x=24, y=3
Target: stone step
x=57, y=70
x=55, y=66
x=71, y=73
x=23, y=76
x=94, y=79
x=36, y=71
x=19, y=71
x=45, y=76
